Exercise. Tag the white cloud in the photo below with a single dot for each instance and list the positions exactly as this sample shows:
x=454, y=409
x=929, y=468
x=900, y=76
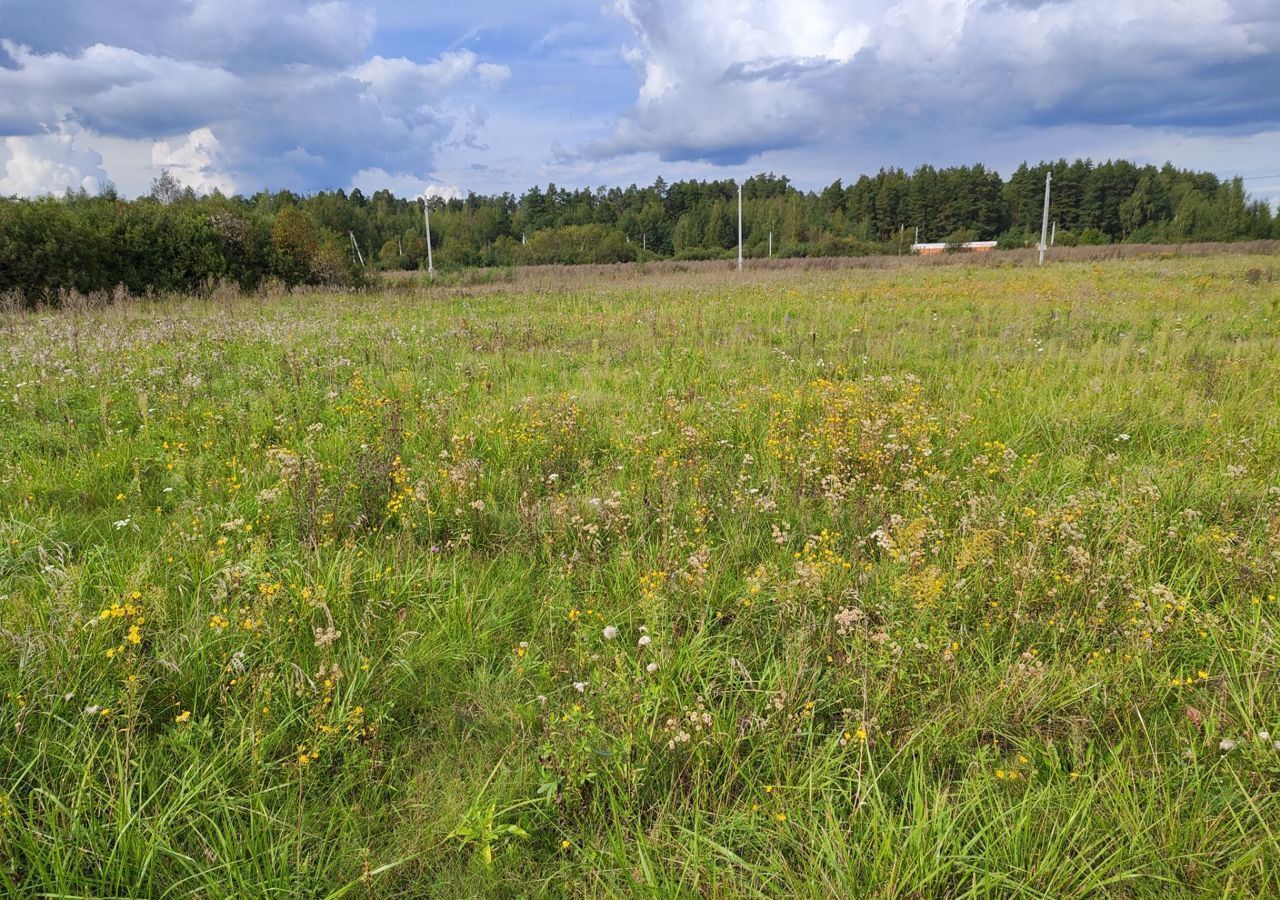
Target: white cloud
x=110, y=89
x=727, y=79
x=410, y=90
x=194, y=161
x=403, y=184
x=50, y=164
x=233, y=94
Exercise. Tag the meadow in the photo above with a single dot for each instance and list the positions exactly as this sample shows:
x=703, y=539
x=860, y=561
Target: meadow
x=939, y=581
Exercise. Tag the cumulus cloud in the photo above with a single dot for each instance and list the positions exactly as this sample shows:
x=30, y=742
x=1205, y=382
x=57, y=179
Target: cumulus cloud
x=195, y=161
x=112, y=90
x=49, y=164
x=409, y=90
x=403, y=184
x=725, y=80
x=310, y=94
x=230, y=94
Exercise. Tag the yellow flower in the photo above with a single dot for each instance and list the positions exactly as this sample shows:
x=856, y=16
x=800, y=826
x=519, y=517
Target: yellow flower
x=134, y=636
x=183, y=717
x=781, y=817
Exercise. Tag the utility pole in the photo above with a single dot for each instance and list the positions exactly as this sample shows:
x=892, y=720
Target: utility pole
x=1053, y=234
x=739, y=228
x=359, y=255
x=1044, y=223
x=426, y=220
x=771, y=245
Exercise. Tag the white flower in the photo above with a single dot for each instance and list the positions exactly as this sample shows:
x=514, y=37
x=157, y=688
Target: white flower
x=1265, y=735
x=1122, y=437
x=579, y=686
x=1226, y=745
x=651, y=668
x=610, y=632
x=645, y=640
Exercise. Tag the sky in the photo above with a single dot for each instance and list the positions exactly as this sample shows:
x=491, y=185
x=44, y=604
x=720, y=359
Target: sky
x=242, y=95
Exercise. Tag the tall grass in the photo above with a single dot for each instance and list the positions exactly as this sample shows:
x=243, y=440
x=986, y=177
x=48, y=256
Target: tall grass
x=934, y=582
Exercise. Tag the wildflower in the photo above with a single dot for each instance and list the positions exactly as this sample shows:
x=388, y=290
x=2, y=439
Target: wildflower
x=610, y=632
x=1264, y=735
x=781, y=817
x=644, y=641
x=183, y=717
x=1226, y=745
x=651, y=668
x=580, y=686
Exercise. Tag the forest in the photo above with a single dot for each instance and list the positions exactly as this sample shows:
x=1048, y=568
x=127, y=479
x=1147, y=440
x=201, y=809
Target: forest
x=173, y=240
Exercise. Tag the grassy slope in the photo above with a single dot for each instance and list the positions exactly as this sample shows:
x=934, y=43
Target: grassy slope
x=954, y=581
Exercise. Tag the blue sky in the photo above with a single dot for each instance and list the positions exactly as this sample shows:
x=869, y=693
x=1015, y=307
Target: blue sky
x=241, y=95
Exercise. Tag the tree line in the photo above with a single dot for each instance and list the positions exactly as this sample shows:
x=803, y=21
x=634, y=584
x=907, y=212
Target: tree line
x=174, y=240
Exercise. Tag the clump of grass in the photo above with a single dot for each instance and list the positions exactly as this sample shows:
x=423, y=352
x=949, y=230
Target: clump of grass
x=934, y=581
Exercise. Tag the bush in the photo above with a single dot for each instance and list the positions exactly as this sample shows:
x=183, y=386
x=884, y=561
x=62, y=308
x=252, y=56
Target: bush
x=696, y=254
x=958, y=237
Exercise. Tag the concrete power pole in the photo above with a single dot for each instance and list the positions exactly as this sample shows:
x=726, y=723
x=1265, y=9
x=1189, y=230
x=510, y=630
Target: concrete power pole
x=1044, y=224
x=426, y=219
x=739, y=228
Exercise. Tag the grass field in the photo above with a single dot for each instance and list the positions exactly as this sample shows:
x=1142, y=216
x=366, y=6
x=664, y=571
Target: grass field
x=930, y=582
